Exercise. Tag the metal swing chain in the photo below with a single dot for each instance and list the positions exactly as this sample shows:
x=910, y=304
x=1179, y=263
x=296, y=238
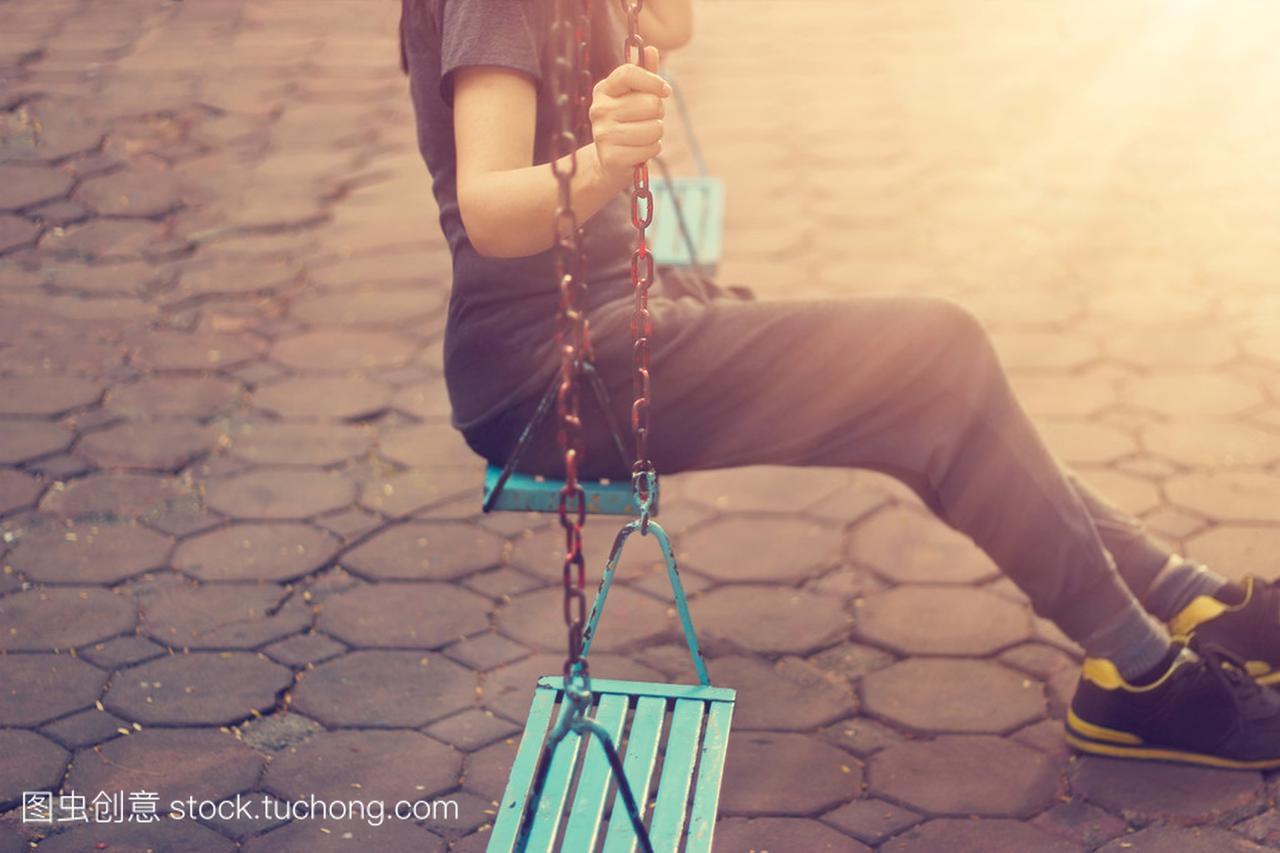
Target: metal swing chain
x=572, y=84
x=569, y=35
x=643, y=474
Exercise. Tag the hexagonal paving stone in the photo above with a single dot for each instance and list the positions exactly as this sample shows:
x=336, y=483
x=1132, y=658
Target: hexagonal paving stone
x=782, y=835
x=1146, y=793
x=1086, y=443
x=907, y=546
x=340, y=349
x=128, y=192
x=153, y=445
x=368, y=306
x=805, y=775
x=224, y=616
x=944, y=695
x=473, y=729
x=486, y=770
x=409, y=492
x=409, y=689
x=789, y=695
x=279, y=493
x=1042, y=350
x=1134, y=495
x=45, y=395
x=201, y=688
x=323, y=397
x=18, y=490
x=1237, y=550
x=871, y=821
x=175, y=763
x=769, y=619
x=252, y=551
x=174, y=396
x=430, y=446
x=28, y=762
x=171, y=836
x=937, y=620
x=965, y=775
x=1163, y=839
x=303, y=649
x=36, y=688
x=425, y=550
x=110, y=240
x=173, y=350
x=119, y=495
x=761, y=488
x=387, y=766
x=1192, y=393
x=1188, y=348
x=62, y=618
x=1080, y=822
x=1228, y=495
x=629, y=619
x=16, y=231
x=237, y=274
x=1068, y=395
x=427, y=400
x=27, y=186
x=328, y=836
x=405, y=615
x=1212, y=444
x=299, y=444
x=761, y=549
x=90, y=553
x=21, y=441
x=978, y=836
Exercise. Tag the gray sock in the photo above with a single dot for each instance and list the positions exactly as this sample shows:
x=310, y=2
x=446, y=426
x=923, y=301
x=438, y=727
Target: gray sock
x=1134, y=641
x=1177, y=585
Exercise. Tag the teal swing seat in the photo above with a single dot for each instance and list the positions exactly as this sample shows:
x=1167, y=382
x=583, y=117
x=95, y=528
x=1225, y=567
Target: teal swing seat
x=686, y=725
x=530, y=493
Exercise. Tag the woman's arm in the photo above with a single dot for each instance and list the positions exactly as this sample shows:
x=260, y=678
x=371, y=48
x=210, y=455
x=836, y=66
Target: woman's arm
x=667, y=24
x=508, y=205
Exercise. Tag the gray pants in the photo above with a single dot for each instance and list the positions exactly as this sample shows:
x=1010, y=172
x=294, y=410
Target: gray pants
x=907, y=386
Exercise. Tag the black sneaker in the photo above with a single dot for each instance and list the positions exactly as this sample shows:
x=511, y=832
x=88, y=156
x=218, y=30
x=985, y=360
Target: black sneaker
x=1249, y=630
x=1204, y=710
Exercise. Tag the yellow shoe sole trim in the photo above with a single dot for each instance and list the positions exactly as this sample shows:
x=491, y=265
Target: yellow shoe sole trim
x=1158, y=754
x=1101, y=733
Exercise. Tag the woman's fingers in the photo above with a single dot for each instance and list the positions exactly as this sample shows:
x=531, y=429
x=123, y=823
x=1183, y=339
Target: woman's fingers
x=632, y=133
x=632, y=78
x=638, y=106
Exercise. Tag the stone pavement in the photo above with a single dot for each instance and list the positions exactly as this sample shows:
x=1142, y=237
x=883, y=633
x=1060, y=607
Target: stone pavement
x=242, y=547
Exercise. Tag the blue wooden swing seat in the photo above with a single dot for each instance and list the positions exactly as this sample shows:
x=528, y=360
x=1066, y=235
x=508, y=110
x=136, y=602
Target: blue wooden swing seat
x=635, y=714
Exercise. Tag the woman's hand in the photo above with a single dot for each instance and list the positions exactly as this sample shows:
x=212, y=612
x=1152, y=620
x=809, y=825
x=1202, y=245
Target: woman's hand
x=627, y=108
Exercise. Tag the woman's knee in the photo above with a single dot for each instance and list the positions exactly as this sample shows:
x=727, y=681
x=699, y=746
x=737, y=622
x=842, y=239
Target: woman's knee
x=951, y=322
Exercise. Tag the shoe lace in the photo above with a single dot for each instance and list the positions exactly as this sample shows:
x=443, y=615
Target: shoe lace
x=1252, y=700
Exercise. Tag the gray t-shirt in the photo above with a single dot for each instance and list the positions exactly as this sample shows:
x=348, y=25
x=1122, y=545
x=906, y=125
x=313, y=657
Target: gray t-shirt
x=498, y=341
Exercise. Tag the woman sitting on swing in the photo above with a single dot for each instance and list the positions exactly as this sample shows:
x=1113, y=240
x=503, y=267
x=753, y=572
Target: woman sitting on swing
x=903, y=385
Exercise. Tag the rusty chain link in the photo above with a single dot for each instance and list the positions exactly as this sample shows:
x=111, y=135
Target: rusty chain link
x=571, y=93
x=643, y=475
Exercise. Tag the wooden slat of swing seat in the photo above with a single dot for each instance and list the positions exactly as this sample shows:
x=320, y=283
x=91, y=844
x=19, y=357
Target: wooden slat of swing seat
x=702, y=205
x=693, y=759
x=527, y=493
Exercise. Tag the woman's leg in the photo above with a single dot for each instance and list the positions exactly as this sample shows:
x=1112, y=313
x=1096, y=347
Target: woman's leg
x=907, y=386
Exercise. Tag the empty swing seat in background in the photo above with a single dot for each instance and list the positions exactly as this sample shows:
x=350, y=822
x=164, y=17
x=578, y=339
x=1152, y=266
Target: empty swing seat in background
x=684, y=727
x=699, y=201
